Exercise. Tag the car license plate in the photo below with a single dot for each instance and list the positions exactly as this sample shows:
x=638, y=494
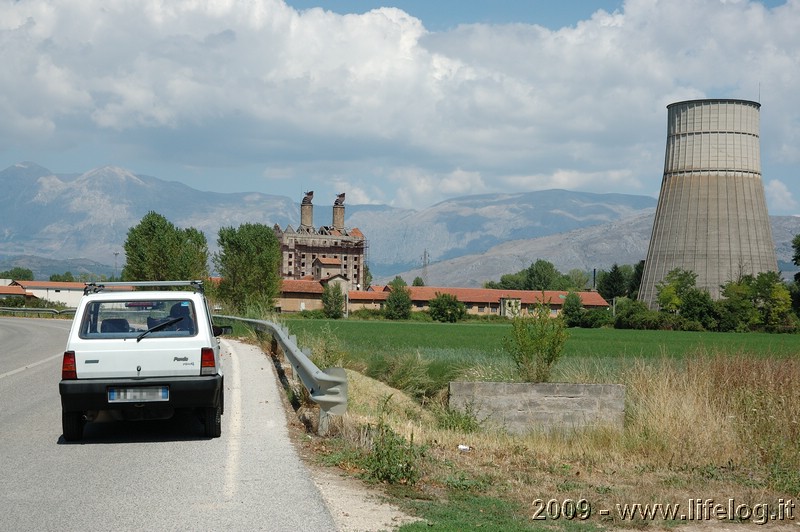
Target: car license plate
x=139, y=394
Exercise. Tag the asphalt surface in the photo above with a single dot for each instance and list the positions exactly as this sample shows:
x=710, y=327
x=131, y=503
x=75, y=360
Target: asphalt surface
x=149, y=475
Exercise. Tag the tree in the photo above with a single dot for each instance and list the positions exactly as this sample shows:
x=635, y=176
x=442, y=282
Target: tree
x=398, y=302
x=508, y=281
x=578, y=279
x=671, y=290
x=156, y=250
x=417, y=281
x=333, y=301
x=796, y=255
x=542, y=275
x=737, y=311
x=612, y=284
x=398, y=281
x=446, y=308
x=572, y=310
x=249, y=261
x=697, y=306
x=17, y=274
x=367, y=282
x=192, y=259
x=635, y=280
x=536, y=343
x=66, y=277
x=762, y=302
x=773, y=300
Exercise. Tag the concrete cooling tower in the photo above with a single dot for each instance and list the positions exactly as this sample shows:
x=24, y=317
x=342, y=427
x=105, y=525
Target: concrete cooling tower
x=711, y=216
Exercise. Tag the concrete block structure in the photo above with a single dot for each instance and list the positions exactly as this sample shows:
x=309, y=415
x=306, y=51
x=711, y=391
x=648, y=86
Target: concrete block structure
x=523, y=407
x=712, y=215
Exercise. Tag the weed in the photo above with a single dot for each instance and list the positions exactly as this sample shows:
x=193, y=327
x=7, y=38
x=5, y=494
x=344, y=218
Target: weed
x=464, y=511
x=464, y=421
x=407, y=372
x=461, y=481
x=392, y=459
x=326, y=349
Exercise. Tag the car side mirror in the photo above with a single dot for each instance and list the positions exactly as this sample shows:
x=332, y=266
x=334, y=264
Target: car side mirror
x=222, y=330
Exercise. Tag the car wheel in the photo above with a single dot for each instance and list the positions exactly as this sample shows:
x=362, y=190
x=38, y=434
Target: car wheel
x=213, y=421
x=72, y=425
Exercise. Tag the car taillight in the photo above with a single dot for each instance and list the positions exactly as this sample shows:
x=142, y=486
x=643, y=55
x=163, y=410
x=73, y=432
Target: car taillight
x=68, y=369
x=208, y=365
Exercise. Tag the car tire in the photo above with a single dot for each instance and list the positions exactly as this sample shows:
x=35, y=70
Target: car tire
x=72, y=424
x=213, y=421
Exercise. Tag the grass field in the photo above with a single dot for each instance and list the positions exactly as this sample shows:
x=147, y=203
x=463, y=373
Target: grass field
x=366, y=337
x=707, y=415
x=594, y=355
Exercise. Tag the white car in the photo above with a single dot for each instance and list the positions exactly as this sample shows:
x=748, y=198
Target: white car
x=141, y=354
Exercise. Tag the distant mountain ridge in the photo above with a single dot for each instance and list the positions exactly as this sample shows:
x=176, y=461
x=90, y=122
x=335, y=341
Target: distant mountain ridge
x=48, y=218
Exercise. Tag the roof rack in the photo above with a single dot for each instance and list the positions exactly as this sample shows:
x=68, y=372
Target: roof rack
x=93, y=288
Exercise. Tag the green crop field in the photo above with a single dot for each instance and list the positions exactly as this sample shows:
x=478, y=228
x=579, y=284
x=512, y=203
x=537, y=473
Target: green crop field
x=367, y=337
x=596, y=354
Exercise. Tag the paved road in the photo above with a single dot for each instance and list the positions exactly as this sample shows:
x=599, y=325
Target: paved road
x=157, y=475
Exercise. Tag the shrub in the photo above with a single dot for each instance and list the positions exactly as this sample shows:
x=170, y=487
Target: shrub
x=392, y=459
x=327, y=350
x=573, y=310
x=408, y=372
x=333, y=301
x=316, y=314
x=595, y=318
x=367, y=314
x=398, y=302
x=464, y=421
x=536, y=343
x=446, y=308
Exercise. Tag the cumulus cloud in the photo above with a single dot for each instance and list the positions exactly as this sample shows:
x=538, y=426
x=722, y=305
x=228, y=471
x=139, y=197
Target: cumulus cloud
x=779, y=198
x=377, y=102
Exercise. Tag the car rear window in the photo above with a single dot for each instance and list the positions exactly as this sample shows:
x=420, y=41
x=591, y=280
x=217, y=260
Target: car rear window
x=128, y=318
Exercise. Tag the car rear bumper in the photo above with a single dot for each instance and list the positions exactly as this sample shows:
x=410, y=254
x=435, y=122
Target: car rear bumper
x=184, y=392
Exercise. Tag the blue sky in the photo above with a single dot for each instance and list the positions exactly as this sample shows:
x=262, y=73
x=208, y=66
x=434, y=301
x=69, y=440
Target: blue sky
x=403, y=103
x=442, y=15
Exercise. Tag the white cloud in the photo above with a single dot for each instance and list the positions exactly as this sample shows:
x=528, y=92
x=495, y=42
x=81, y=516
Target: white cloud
x=779, y=198
x=397, y=113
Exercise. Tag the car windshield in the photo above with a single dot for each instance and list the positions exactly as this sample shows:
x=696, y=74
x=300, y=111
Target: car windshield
x=128, y=318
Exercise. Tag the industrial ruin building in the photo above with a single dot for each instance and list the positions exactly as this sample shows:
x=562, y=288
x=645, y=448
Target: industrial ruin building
x=330, y=251
x=711, y=217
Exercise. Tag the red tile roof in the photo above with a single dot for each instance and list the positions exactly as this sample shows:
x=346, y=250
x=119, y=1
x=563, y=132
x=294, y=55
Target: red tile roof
x=13, y=290
x=49, y=285
x=367, y=295
x=328, y=261
x=298, y=286
x=356, y=232
x=490, y=295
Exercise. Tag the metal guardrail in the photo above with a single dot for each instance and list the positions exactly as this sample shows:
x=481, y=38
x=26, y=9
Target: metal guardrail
x=25, y=310
x=327, y=388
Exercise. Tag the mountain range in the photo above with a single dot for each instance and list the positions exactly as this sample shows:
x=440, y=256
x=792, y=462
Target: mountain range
x=52, y=223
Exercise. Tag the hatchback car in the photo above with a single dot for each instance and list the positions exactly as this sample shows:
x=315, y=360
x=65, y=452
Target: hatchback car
x=141, y=350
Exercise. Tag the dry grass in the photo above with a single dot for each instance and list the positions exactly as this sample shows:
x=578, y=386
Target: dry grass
x=713, y=426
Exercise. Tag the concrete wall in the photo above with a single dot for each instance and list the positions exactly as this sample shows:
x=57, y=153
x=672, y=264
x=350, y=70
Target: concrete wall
x=524, y=407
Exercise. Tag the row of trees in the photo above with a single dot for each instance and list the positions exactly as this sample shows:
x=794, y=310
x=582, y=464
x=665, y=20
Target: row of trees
x=619, y=281
x=248, y=260
x=762, y=302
